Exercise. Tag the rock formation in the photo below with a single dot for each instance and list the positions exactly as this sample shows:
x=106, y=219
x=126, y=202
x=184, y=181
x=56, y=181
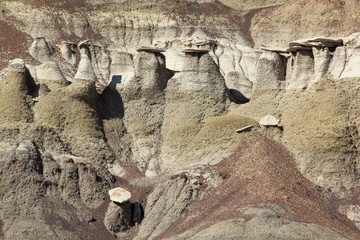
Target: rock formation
x=192, y=96
x=218, y=121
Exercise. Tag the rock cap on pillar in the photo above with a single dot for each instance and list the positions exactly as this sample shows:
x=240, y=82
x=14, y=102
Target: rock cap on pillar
x=195, y=50
x=119, y=195
x=150, y=49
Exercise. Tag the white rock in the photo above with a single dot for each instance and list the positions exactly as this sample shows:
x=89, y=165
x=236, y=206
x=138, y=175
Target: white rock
x=119, y=195
x=50, y=71
x=269, y=120
x=85, y=69
x=337, y=63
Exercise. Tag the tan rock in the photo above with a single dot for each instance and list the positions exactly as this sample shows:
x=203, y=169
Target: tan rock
x=119, y=195
x=41, y=50
x=269, y=120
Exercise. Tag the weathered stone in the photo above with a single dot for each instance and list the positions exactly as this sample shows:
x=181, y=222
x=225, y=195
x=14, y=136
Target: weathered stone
x=192, y=96
x=68, y=51
x=119, y=195
x=41, y=50
x=269, y=120
x=150, y=49
x=85, y=69
x=118, y=217
x=322, y=58
x=337, y=63
x=16, y=65
x=302, y=70
x=270, y=71
x=51, y=74
x=240, y=87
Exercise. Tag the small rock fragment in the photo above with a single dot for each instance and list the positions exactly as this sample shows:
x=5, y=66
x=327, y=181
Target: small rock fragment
x=269, y=120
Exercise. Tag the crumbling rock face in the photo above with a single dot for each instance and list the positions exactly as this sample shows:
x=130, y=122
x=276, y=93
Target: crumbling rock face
x=30, y=181
x=240, y=87
x=319, y=128
x=302, y=71
x=143, y=95
x=168, y=201
x=72, y=111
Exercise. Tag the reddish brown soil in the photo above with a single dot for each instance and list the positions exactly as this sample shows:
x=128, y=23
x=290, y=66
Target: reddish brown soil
x=13, y=44
x=262, y=173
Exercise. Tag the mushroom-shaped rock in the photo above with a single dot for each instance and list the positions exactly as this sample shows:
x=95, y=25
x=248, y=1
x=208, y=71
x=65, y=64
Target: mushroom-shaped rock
x=119, y=195
x=268, y=121
x=40, y=49
x=202, y=91
x=118, y=216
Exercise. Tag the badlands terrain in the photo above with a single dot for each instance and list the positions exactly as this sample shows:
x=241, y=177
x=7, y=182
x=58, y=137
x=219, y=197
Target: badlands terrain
x=224, y=119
